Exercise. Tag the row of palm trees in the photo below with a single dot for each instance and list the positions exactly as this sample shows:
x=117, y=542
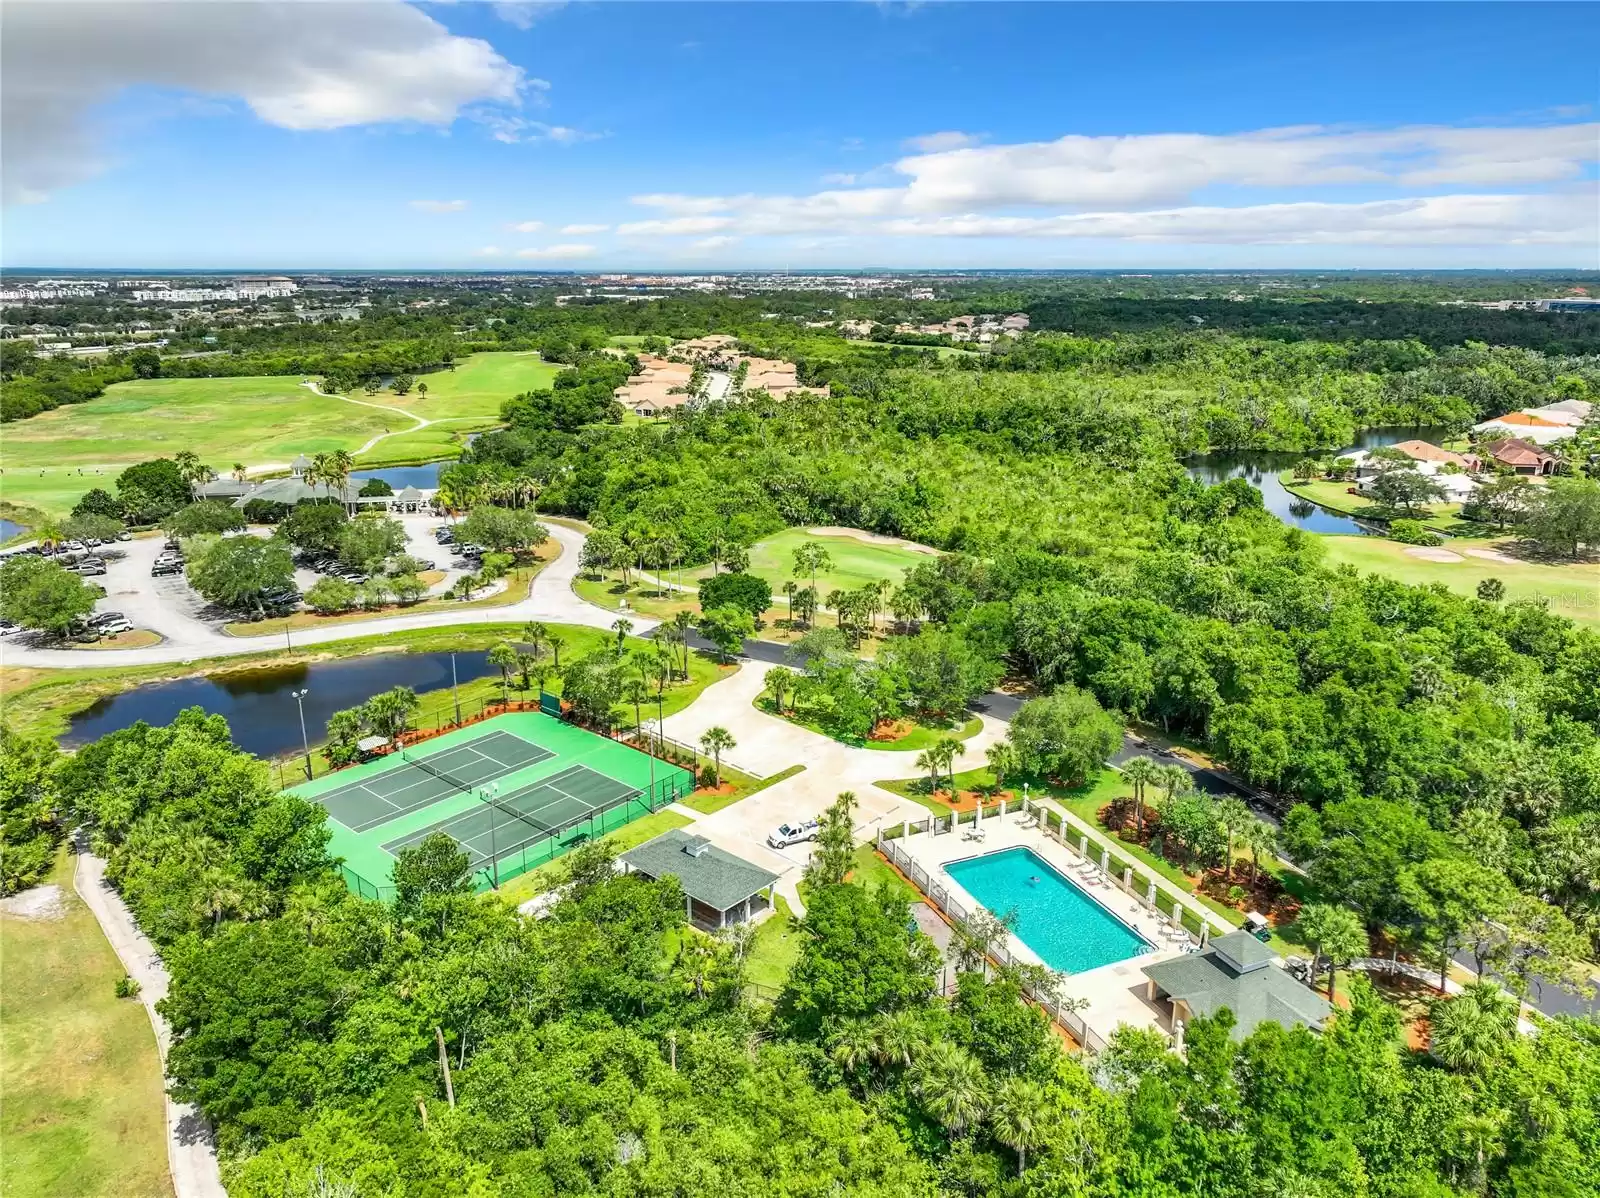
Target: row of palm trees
x=462, y=490
x=948, y=1082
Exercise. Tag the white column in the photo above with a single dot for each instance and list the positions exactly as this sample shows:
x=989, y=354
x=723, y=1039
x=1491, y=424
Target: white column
x=905, y=830
x=1150, y=893
x=1105, y=861
x=1127, y=879
x=1083, y=845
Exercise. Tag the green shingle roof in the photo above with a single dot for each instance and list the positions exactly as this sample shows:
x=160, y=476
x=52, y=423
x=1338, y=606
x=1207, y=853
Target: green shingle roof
x=707, y=874
x=1237, y=972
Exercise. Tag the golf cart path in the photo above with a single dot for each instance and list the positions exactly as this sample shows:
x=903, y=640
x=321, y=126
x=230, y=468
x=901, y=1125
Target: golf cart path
x=421, y=422
x=550, y=598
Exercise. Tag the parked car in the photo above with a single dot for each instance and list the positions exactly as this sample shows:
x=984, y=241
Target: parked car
x=124, y=535
x=786, y=834
x=8, y=629
x=90, y=566
x=165, y=565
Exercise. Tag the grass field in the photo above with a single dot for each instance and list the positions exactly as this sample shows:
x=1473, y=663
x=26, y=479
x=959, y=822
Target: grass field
x=476, y=387
x=83, y=1112
x=54, y=457
x=1336, y=497
x=1571, y=590
x=855, y=563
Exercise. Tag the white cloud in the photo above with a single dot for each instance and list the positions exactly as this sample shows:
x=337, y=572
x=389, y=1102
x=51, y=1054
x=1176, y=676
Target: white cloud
x=679, y=226
x=713, y=243
x=1149, y=188
x=839, y=179
x=557, y=252
x=935, y=143
x=523, y=13
x=1563, y=219
x=439, y=205
x=488, y=251
x=1151, y=170
x=298, y=66
x=581, y=230
x=526, y=226
x=514, y=129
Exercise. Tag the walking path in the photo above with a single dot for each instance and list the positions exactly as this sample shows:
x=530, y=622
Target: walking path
x=421, y=423
x=191, y=1152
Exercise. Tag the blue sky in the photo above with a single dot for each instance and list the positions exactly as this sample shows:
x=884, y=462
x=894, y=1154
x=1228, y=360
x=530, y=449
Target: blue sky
x=689, y=136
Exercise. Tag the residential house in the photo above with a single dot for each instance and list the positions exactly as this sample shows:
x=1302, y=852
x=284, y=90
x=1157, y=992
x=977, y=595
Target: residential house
x=1520, y=456
x=1529, y=425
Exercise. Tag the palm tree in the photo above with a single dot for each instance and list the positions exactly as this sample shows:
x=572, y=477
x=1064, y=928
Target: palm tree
x=1019, y=1117
x=948, y=748
x=852, y=1047
x=1174, y=780
x=219, y=894
x=1334, y=932
x=1003, y=763
x=717, y=741
x=780, y=681
x=240, y=473
x=928, y=760
x=897, y=1039
x=1139, y=773
x=622, y=627
x=1259, y=837
x=504, y=658
x=1235, y=817
x=537, y=635
x=557, y=642
x=1473, y=1030
x=950, y=1084
x=636, y=692
x=682, y=623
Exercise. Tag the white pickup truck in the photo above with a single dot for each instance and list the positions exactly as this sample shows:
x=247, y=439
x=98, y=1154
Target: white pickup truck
x=786, y=834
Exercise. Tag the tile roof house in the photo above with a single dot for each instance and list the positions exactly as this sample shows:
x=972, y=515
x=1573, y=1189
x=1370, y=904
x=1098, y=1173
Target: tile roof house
x=719, y=888
x=1521, y=456
x=1422, y=451
x=1530, y=426
x=1242, y=974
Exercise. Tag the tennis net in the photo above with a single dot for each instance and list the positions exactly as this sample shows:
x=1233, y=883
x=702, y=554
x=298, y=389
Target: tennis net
x=422, y=764
x=538, y=825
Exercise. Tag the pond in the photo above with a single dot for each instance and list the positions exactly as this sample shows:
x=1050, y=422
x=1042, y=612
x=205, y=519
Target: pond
x=10, y=528
x=259, y=706
x=1260, y=468
x=425, y=476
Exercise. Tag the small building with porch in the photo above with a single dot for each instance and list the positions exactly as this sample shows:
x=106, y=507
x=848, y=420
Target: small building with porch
x=1237, y=971
x=719, y=888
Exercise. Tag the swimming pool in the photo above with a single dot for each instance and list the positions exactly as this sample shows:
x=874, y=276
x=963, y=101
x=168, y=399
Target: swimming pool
x=1066, y=928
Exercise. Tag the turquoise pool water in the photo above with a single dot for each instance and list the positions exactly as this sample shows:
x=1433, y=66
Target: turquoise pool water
x=1058, y=921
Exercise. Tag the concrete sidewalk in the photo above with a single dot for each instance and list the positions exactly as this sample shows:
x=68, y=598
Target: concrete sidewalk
x=191, y=1151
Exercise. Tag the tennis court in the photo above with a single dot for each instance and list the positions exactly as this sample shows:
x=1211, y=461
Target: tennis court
x=513, y=791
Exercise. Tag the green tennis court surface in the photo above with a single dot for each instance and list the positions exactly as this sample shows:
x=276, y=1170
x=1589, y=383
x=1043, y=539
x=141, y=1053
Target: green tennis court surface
x=513, y=792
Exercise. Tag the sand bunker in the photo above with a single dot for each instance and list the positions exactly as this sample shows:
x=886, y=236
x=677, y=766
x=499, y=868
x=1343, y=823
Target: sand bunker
x=1493, y=555
x=1433, y=555
x=41, y=902
x=871, y=538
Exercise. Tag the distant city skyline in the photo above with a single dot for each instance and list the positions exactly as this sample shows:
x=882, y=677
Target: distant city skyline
x=381, y=135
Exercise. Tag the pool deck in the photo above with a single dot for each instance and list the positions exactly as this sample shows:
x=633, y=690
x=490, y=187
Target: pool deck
x=1115, y=992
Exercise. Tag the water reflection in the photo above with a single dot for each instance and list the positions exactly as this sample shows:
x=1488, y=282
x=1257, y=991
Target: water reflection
x=10, y=528
x=1260, y=468
x=425, y=476
x=257, y=702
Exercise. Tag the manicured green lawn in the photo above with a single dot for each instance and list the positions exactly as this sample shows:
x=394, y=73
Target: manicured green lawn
x=83, y=1112
x=1336, y=497
x=1571, y=590
x=774, y=950
x=743, y=786
x=542, y=877
x=855, y=563
x=51, y=459
x=476, y=387
x=872, y=871
x=919, y=738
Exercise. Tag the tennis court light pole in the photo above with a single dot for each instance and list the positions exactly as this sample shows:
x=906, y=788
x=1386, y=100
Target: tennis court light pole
x=486, y=794
x=299, y=701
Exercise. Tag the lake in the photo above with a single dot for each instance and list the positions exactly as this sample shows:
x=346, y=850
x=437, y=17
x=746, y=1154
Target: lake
x=425, y=476
x=10, y=528
x=258, y=704
x=1260, y=468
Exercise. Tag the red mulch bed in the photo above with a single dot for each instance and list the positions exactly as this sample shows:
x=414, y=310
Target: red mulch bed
x=968, y=800
x=723, y=788
x=888, y=730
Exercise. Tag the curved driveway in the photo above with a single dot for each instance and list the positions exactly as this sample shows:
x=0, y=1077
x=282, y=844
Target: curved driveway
x=551, y=598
